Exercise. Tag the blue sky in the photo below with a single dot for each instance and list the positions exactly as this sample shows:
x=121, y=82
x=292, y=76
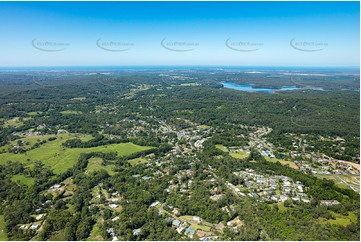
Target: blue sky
x=180, y=33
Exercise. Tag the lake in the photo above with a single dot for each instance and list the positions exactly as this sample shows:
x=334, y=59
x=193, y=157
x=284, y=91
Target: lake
x=250, y=88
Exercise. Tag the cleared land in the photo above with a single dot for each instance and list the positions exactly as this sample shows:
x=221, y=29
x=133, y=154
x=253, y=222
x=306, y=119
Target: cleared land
x=16, y=122
x=71, y=112
x=187, y=217
x=222, y=147
x=24, y=180
x=78, y=98
x=352, y=180
x=283, y=162
x=96, y=164
x=200, y=227
x=3, y=235
x=137, y=161
x=59, y=158
x=34, y=113
x=239, y=155
x=194, y=224
x=341, y=219
x=203, y=127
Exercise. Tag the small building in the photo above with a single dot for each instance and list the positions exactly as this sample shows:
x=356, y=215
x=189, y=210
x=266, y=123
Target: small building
x=180, y=229
x=155, y=204
x=300, y=188
x=283, y=198
x=113, y=206
x=329, y=202
x=189, y=231
x=40, y=216
x=136, y=232
x=175, y=211
x=176, y=223
x=197, y=219
x=286, y=184
x=111, y=231
x=34, y=226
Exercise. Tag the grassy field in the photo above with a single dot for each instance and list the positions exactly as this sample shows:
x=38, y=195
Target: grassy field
x=352, y=180
x=331, y=177
x=281, y=206
x=15, y=122
x=186, y=217
x=239, y=155
x=28, y=142
x=203, y=127
x=34, y=113
x=59, y=158
x=222, y=147
x=95, y=164
x=3, y=235
x=195, y=226
x=137, y=161
x=200, y=227
x=337, y=181
x=341, y=219
x=283, y=162
x=71, y=112
x=28, y=181
x=78, y=98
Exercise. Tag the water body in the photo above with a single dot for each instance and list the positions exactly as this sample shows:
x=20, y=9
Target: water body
x=250, y=88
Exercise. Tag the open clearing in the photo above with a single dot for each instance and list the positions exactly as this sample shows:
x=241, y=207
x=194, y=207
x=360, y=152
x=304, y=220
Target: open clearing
x=281, y=206
x=352, y=180
x=60, y=158
x=203, y=127
x=34, y=113
x=96, y=164
x=200, y=227
x=3, y=235
x=283, y=162
x=16, y=122
x=24, y=180
x=137, y=161
x=78, y=98
x=187, y=217
x=222, y=147
x=71, y=112
x=341, y=219
x=194, y=224
x=239, y=155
